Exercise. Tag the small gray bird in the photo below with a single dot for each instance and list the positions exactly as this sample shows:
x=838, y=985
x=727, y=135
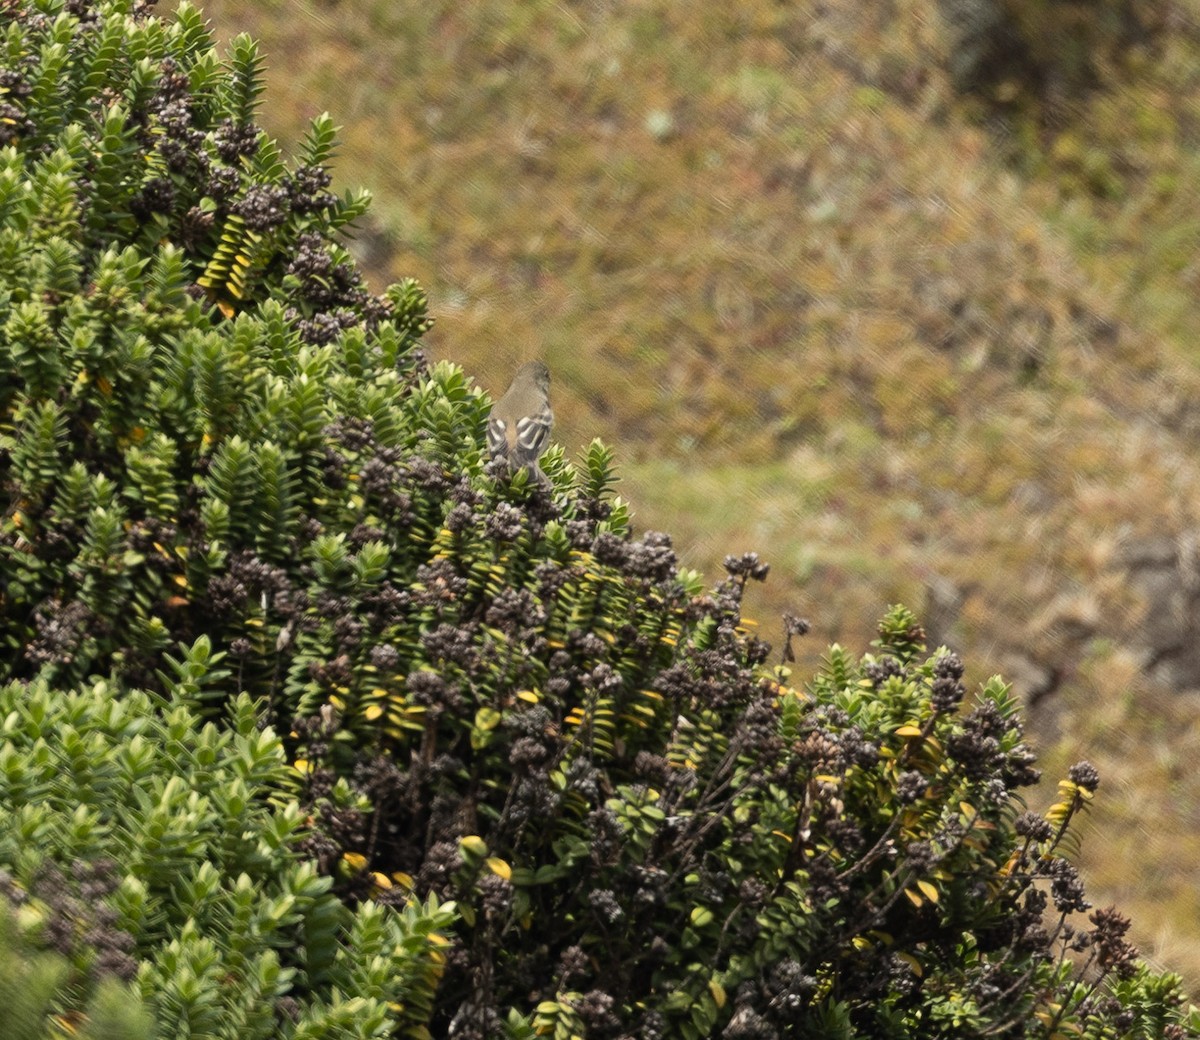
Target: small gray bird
x=518, y=428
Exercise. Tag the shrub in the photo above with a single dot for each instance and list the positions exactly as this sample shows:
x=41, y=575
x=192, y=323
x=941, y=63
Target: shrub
x=234, y=483
x=758, y=860
x=1042, y=53
x=147, y=848
x=34, y=994
x=154, y=418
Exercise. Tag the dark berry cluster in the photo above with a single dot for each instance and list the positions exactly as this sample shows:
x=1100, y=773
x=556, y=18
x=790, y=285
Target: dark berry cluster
x=948, y=689
x=1066, y=887
x=597, y=1009
x=653, y=558
x=179, y=141
x=156, y=196
x=980, y=753
x=306, y=189
x=880, y=671
x=264, y=207
x=1085, y=775
x=84, y=10
x=605, y=906
x=431, y=691
x=61, y=629
x=235, y=141
x=911, y=786
x=328, y=294
x=1032, y=826
x=322, y=281
x=747, y=567
x=1113, y=952
x=80, y=918
x=441, y=863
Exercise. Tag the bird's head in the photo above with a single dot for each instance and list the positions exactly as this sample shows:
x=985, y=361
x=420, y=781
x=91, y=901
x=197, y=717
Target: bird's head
x=534, y=372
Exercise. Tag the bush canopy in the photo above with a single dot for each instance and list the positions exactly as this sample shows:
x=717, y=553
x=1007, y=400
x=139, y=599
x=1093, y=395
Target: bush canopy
x=317, y=724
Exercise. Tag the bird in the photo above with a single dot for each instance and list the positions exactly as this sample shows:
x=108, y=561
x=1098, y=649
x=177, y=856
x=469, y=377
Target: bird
x=519, y=425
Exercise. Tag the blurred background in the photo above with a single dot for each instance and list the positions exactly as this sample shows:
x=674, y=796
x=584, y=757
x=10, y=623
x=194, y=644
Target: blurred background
x=901, y=294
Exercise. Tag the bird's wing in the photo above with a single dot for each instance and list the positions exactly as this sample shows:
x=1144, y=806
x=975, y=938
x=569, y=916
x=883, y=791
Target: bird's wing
x=497, y=436
x=533, y=435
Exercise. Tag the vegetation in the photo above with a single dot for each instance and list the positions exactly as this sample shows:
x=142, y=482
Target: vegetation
x=32, y=984
x=910, y=343
x=145, y=848
x=317, y=724
x=1045, y=55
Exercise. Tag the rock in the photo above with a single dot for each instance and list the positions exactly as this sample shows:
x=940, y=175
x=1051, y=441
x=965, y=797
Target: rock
x=1165, y=573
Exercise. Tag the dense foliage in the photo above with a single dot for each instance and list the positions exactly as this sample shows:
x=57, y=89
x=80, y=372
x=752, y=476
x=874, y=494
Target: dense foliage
x=34, y=993
x=144, y=847
x=234, y=489
x=1045, y=55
